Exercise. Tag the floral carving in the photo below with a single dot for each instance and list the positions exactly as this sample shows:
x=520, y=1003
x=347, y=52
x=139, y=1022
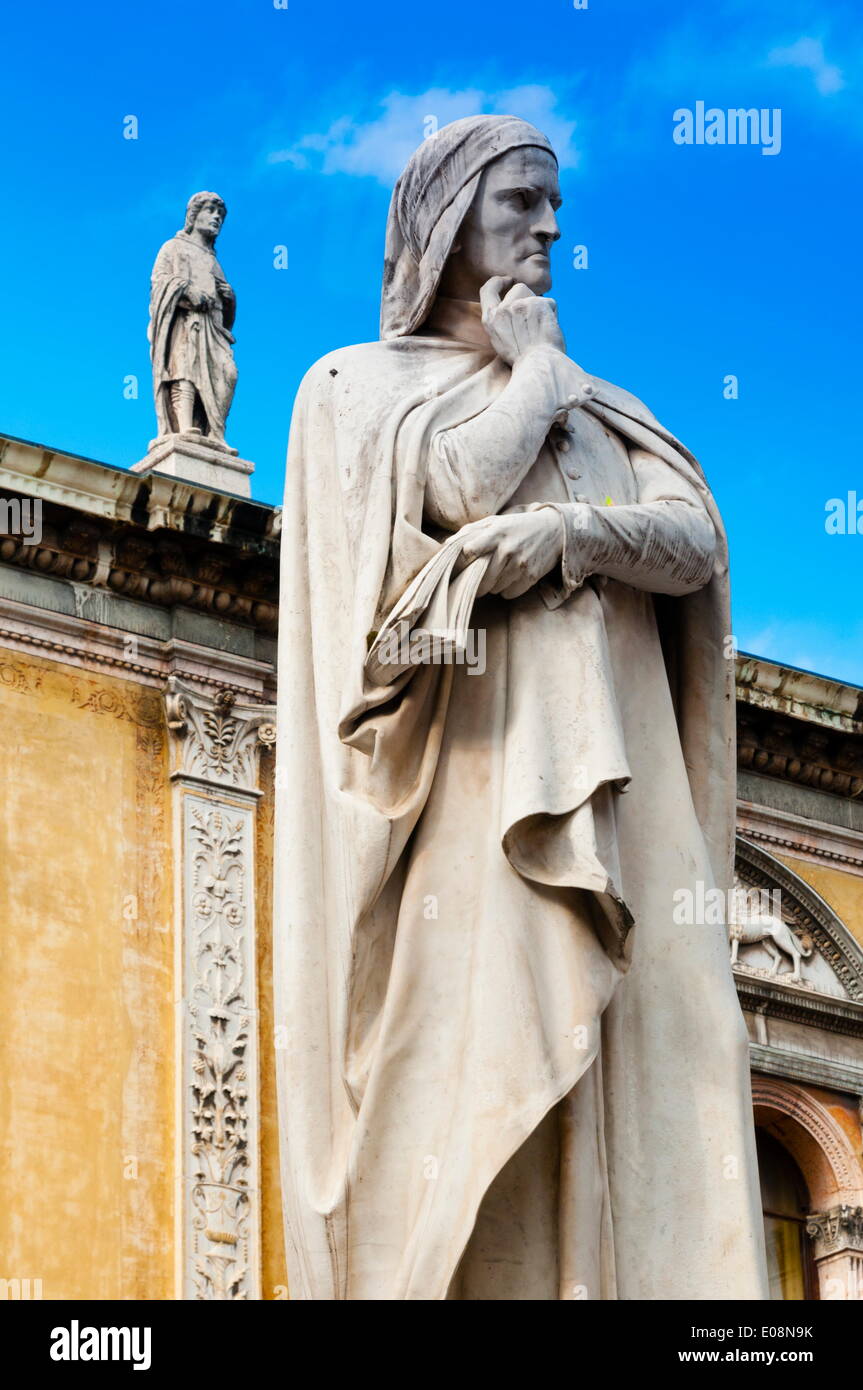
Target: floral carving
x=216, y=750
x=219, y=738
x=220, y=1032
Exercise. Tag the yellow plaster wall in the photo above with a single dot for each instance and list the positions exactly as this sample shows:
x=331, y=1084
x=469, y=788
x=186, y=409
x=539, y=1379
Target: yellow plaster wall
x=841, y=891
x=86, y=1178
x=87, y=1125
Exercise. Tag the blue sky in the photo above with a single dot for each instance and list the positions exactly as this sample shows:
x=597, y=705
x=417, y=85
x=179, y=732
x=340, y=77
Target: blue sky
x=703, y=261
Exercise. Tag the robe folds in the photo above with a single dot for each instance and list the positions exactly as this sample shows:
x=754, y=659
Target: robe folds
x=504, y=1071
x=190, y=344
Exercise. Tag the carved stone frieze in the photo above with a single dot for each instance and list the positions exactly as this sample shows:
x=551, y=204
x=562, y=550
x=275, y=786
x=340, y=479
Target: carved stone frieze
x=221, y=1107
x=814, y=930
x=19, y=675
x=96, y=646
x=157, y=566
x=777, y=745
x=781, y=832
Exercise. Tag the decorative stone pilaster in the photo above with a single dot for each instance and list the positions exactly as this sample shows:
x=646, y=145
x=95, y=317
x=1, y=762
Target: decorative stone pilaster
x=215, y=748
x=837, y=1236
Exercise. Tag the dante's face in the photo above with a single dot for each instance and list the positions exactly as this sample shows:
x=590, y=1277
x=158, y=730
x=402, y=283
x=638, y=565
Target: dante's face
x=511, y=224
x=209, y=219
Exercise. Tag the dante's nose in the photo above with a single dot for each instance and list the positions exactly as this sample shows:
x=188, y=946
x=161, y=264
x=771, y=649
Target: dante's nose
x=549, y=227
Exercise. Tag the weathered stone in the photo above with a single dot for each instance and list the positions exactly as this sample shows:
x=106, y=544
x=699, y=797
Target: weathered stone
x=475, y=1064
x=192, y=310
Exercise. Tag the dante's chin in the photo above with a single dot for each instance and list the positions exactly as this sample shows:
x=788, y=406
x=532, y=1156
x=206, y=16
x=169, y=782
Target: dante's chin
x=535, y=274
x=537, y=278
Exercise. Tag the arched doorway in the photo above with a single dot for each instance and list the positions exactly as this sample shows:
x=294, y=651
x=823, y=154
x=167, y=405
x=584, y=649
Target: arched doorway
x=808, y=1169
x=786, y=1205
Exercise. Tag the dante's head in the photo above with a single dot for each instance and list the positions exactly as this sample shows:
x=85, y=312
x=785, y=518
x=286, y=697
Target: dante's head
x=510, y=227
x=205, y=213
x=476, y=199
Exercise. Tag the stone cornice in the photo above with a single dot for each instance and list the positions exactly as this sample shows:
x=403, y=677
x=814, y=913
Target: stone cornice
x=783, y=737
x=825, y=1072
x=151, y=539
x=153, y=500
x=801, y=838
x=800, y=694
x=150, y=661
x=817, y=1010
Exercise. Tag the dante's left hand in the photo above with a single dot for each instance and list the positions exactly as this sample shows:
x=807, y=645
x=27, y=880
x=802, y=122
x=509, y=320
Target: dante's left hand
x=524, y=546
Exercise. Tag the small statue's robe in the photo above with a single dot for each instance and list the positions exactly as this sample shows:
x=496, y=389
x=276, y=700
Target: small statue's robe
x=191, y=344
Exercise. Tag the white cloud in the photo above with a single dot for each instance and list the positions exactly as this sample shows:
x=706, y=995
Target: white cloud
x=809, y=53
x=380, y=148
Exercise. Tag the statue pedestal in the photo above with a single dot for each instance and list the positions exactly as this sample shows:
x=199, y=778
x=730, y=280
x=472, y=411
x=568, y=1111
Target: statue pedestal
x=194, y=459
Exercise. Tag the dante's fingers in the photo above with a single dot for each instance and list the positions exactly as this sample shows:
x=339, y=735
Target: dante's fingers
x=520, y=587
x=468, y=531
x=475, y=547
x=482, y=536
x=491, y=291
x=520, y=330
x=518, y=291
x=485, y=583
x=493, y=575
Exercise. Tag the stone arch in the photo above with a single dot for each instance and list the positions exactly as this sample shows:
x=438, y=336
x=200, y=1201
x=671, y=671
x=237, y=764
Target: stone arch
x=820, y=1147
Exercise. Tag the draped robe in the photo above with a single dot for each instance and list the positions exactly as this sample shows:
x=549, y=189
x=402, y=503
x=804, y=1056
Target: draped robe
x=190, y=344
x=507, y=1072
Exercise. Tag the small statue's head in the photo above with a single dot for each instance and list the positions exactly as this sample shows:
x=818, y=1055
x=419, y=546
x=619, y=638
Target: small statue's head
x=205, y=212
x=510, y=227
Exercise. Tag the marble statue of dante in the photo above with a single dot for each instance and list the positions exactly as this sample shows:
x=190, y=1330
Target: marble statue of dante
x=192, y=310
x=505, y=1072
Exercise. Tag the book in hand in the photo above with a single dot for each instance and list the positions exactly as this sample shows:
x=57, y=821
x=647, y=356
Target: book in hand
x=430, y=624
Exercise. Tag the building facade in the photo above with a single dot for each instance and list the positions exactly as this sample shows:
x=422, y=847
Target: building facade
x=138, y=616
x=800, y=838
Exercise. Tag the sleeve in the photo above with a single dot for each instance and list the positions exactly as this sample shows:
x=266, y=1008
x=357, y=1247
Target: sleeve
x=475, y=467
x=663, y=543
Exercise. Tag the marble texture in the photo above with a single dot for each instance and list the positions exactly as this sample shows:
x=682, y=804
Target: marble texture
x=192, y=311
x=508, y=1074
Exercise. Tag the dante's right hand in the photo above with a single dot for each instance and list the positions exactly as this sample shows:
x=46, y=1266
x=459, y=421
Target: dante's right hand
x=517, y=320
